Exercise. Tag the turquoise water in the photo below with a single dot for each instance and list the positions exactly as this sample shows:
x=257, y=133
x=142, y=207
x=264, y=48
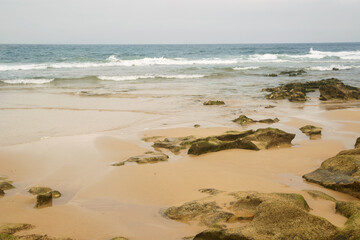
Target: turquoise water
x=123, y=68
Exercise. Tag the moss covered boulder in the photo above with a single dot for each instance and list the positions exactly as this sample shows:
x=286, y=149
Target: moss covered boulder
x=267, y=216
x=214, y=102
x=6, y=186
x=244, y=120
x=341, y=173
x=357, y=143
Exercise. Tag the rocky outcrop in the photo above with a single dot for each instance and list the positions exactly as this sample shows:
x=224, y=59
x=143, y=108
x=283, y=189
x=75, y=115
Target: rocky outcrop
x=340, y=173
x=44, y=196
x=268, y=216
x=174, y=144
x=244, y=120
x=148, y=157
x=214, y=102
x=312, y=131
x=252, y=140
x=329, y=89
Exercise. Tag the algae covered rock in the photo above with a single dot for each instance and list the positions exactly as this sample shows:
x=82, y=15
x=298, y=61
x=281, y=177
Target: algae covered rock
x=11, y=228
x=357, y=143
x=340, y=173
x=268, y=216
x=174, y=144
x=43, y=200
x=148, y=157
x=293, y=73
x=6, y=186
x=244, y=120
x=312, y=131
x=214, y=102
x=351, y=210
x=270, y=137
x=39, y=190
x=338, y=90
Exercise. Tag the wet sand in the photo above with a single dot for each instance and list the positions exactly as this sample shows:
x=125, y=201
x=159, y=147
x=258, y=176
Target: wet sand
x=101, y=201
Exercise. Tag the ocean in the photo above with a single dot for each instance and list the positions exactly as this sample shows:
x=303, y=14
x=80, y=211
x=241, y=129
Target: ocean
x=115, y=67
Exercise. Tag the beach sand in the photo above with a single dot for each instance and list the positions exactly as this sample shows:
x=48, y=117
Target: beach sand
x=101, y=201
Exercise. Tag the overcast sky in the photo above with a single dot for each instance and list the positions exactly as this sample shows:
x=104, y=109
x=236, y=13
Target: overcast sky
x=179, y=21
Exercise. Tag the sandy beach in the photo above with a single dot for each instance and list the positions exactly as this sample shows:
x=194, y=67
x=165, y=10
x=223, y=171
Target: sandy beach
x=101, y=201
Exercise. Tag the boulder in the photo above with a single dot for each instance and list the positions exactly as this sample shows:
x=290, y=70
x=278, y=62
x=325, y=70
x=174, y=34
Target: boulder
x=311, y=131
x=6, y=186
x=214, y=102
x=268, y=216
x=174, y=144
x=44, y=200
x=270, y=137
x=340, y=173
x=357, y=143
x=244, y=120
x=148, y=157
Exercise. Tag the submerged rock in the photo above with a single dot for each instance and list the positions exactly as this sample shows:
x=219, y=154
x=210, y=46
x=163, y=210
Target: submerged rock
x=214, y=102
x=311, y=131
x=272, y=75
x=268, y=216
x=293, y=72
x=6, y=186
x=340, y=173
x=329, y=89
x=335, y=69
x=244, y=120
x=148, y=157
x=174, y=144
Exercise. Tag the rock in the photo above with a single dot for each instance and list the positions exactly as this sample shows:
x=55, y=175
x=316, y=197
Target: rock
x=55, y=194
x=270, y=137
x=351, y=210
x=2, y=193
x=338, y=90
x=329, y=89
x=270, y=106
x=335, y=69
x=6, y=186
x=357, y=144
x=244, y=120
x=43, y=200
x=340, y=173
x=317, y=194
x=293, y=73
x=174, y=144
x=196, y=126
x=310, y=130
x=119, y=238
x=272, y=75
x=268, y=216
x=148, y=157
x=251, y=140
x=215, y=145
x=39, y=190
x=214, y=102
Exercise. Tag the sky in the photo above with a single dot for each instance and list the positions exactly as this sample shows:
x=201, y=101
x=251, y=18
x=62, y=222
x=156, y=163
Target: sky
x=178, y=21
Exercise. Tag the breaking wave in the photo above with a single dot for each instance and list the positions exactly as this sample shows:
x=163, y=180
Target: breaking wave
x=129, y=78
x=28, y=81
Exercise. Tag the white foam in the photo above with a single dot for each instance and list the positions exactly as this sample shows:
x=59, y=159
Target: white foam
x=245, y=68
x=329, y=68
x=28, y=81
x=22, y=67
x=129, y=78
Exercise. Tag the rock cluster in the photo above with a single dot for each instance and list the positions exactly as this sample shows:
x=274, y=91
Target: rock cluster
x=253, y=140
x=266, y=216
x=44, y=196
x=214, y=102
x=148, y=157
x=330, y=89
x=340, y=173
x=244, y=120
